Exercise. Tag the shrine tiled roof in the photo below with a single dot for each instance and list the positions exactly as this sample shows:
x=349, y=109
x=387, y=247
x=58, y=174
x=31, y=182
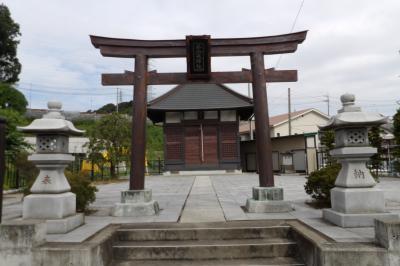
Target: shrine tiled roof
x=200, y=97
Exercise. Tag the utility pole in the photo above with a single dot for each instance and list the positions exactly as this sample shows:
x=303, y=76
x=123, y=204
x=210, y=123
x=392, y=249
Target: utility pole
x=149, y=93
x=327, y=101
x=289, y=113
x=251, y=117
x=30, y=96
x=117, y=98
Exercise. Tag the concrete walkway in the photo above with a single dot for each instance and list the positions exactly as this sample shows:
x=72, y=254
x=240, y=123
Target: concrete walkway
x=202, y=204
x=211, y=199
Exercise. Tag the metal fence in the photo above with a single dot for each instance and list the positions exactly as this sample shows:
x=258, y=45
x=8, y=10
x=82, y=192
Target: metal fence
x=155, y=167
x=386, y=165
x=12, y=177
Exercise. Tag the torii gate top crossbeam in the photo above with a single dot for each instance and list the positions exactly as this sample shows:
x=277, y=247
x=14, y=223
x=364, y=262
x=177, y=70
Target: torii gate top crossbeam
x=129, y=48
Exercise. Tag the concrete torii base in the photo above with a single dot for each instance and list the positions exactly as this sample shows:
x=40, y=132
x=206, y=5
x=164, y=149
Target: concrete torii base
x=136, y=203
x=267, y=199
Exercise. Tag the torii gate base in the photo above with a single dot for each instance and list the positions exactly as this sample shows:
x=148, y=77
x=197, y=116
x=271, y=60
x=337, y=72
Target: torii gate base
x=268, y=199
x=136, y=203
x=198, y=50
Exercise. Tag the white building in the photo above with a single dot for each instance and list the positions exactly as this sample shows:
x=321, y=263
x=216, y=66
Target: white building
x=302, y=122
x=296, y=152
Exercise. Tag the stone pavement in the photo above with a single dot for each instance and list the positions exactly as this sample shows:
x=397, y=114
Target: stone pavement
x=202, y=204
x=210, y=199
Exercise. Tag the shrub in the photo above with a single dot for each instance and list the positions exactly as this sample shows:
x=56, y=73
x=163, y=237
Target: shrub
x=320, y=183
x=84, y=190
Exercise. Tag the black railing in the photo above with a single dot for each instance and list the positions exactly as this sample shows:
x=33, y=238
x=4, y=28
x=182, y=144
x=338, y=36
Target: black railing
x=155, y=167
x=12, y=178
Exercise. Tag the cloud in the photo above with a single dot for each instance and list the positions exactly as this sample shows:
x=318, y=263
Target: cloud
x=351, y=45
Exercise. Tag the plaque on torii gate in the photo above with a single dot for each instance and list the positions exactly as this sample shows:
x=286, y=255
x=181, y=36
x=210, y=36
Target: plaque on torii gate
x=199, y=51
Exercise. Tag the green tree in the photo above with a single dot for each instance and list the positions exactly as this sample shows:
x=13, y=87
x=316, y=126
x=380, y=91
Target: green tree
x=111, y=134
x=95, y=152
x=123, y=108
x=84, y=124
x=106, y=109
x=9, y=32
x=15, y=142
x=155, y=142
x=328, y=143
x=320, y=182
x=12, y=98
x=375, y=140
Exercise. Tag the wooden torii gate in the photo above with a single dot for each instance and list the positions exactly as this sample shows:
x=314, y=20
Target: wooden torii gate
x=198, y=50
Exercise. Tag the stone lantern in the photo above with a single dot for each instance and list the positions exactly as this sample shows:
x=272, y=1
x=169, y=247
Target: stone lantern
x=355, y=202
x=51, y=199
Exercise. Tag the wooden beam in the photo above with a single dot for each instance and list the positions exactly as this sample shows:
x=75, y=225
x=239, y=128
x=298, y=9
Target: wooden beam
x=173, y=52
x=116, y=47
x=99, y=41
x=154, y=78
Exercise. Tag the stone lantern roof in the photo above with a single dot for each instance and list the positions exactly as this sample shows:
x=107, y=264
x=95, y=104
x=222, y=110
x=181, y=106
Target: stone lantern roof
x=351, y=115
x=52, y=122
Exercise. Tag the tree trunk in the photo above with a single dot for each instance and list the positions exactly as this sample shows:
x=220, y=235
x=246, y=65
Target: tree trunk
x=92, y=170
x=112, y=170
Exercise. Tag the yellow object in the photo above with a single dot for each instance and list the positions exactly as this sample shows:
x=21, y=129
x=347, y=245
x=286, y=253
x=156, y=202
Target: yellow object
x=87, y=164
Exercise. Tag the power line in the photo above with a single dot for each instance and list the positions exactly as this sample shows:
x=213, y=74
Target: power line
x=59, y=87
x=62, y=87
x=63, y=92
x=291, y=30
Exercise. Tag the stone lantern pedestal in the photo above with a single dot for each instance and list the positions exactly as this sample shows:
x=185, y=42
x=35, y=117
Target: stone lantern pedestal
x=51, y=199
x=355, y=201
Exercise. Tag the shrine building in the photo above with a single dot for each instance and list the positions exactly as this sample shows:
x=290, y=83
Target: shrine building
x=201, y=126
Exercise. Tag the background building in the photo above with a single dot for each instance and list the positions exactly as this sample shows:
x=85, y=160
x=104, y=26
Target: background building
x=297, y=152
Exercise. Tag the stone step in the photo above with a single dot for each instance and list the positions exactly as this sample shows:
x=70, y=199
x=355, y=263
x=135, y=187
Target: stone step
x=203, y=233
x=204, y=249
x=279, y=261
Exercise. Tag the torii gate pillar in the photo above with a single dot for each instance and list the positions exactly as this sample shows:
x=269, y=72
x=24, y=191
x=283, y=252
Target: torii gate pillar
x=266, y=197
x=139, y=114
x=263, y=140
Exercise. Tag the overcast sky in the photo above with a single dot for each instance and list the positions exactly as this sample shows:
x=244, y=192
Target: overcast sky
x=351, y=46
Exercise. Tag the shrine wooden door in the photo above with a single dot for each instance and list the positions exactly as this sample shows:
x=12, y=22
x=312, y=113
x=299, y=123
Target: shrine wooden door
x=201, y=145
x=210, y=145
x=192, y=145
